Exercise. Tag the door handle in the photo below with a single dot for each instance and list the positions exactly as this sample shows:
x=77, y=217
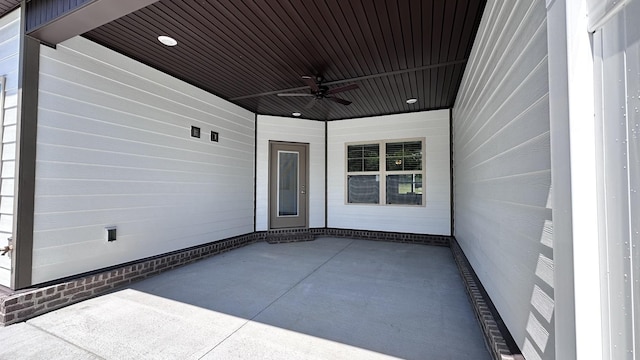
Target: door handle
x=302, y=192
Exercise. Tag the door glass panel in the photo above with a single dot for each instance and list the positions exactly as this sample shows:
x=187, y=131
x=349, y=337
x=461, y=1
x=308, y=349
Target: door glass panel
x=287, y=183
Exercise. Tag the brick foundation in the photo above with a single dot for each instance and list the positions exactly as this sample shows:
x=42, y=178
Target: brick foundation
x=486, y=317
x=296, y=235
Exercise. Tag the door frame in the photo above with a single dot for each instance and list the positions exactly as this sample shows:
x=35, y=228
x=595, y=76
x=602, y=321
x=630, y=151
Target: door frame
x=271, y=200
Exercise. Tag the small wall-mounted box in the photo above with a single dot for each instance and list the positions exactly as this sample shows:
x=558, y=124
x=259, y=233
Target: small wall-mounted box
x=111, y=233
x=214, y=136
x=195, y=131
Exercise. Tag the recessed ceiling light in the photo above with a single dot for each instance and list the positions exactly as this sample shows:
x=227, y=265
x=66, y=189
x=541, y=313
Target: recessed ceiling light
x=412, y=101
x=167, y=40
x=296, y=114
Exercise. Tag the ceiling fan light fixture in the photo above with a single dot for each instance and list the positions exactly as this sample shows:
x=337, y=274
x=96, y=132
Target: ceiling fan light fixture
x=296, y=114
x=412, y=101
x=167, y=40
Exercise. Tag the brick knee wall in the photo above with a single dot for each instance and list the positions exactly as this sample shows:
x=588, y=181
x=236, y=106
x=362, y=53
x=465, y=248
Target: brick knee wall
x=500, y=348
x=299, y=235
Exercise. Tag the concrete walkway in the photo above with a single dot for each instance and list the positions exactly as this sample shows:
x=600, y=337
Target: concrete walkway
x=325, y=299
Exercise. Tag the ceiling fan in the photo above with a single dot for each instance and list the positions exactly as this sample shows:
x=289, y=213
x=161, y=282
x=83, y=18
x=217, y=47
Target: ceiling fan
x=320, y=91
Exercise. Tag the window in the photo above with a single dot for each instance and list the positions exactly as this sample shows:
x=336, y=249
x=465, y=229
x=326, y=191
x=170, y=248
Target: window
x=396, y=180
x=363, y=169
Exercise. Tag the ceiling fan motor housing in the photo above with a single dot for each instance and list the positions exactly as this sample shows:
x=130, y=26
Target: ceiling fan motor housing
x=322, y=92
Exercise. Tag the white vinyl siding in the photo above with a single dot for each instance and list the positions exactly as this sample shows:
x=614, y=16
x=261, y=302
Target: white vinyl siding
x=9, y=64
x=275, y=128
x=432, y=218
x=114, y=149
x=617, y=69
x=502, y=170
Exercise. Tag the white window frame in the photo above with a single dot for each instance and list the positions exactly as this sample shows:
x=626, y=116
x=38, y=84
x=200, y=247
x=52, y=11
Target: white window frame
x=382, y=171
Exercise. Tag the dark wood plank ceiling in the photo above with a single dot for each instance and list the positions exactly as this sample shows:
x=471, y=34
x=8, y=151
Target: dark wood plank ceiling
x=247, y=51
x=8, y=5
x=42, y=11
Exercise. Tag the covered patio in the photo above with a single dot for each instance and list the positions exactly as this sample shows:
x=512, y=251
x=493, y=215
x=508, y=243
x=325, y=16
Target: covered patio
x=322, y=299
x=162, y=132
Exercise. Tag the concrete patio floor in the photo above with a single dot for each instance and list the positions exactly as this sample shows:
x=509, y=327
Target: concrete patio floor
x=325, y=299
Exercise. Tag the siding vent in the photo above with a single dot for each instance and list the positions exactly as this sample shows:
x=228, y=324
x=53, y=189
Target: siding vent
x=195, y=131
x=214, y=136
x=111, y=233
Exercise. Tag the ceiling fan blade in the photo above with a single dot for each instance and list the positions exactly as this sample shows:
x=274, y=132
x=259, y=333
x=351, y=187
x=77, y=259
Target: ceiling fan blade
x=310, y=104
x=295, y=94
x=342, y=88
x=338, y=100
x=311, y=82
